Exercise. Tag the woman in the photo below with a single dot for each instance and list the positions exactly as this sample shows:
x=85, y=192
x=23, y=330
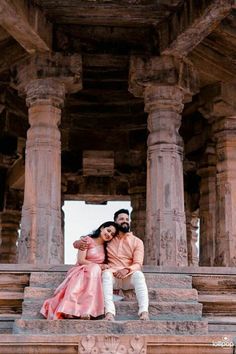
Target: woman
x=80, y=294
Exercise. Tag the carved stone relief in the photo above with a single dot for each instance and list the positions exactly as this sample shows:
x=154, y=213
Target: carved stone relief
x=167, y=244
x=87, y=345
x=181, y=252
x=112, y=344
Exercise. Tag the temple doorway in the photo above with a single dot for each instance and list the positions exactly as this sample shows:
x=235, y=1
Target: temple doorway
x=81, y=218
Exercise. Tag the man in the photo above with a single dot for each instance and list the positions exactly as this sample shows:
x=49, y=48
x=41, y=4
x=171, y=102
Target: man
x=125, y=258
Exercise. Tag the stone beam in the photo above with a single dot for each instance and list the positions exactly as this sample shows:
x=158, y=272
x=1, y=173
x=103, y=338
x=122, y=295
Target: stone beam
x=27, y=24
x=145, y=72
x=186, y=29
x=64, y=69
x=213, y=65
x=106, y=60
x=10, y=55
x=16, y=175
x=3, y=34
x=218, y=100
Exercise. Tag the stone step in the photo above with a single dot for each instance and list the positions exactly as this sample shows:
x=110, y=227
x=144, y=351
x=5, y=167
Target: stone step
x=215, y=283
x=13, y=282
x=224, y=324
x=154, y=280
x=12, y=292
x=11, y=295
x=219, y=305
x=129, y=310
x=81, y=327
x=6, y=322
x=156, y=294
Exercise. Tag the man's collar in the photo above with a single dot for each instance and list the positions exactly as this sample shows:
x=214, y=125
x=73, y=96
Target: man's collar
x=124, y=234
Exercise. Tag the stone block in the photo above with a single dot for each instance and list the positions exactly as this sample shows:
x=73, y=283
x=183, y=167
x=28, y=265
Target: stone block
x=61, y=327
x=155, y=294
x=129, y=310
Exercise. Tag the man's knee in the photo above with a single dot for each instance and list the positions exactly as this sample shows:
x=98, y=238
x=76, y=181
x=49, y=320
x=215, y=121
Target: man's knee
x=107, y=275
x=137, y=276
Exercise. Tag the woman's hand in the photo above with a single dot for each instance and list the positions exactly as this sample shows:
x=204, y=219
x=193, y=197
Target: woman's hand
x=81, y=244
x=104, y=266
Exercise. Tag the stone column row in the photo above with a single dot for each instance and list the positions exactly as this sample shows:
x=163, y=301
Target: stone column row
x=207, y=207
x=218, y=230
x=166, y=83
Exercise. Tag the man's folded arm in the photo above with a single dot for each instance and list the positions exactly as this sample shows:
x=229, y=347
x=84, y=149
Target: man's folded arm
x=138, y=257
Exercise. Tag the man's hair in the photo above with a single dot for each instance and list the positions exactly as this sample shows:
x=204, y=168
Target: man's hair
x=121, y=211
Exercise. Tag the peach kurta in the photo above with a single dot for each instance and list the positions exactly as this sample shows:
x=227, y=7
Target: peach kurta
x=125, y=252
x=81, y=292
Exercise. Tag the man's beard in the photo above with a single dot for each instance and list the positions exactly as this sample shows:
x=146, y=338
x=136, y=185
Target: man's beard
x=124, y=227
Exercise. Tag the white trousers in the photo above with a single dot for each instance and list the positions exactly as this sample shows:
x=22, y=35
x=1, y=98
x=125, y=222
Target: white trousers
x=136, y=280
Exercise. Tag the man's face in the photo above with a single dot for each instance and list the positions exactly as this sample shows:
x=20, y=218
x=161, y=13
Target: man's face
x=123, y=220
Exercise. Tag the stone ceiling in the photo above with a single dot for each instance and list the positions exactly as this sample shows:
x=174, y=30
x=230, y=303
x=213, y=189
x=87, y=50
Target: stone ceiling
x=104, y=115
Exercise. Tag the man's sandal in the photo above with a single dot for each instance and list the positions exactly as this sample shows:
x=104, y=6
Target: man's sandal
x=109, y=317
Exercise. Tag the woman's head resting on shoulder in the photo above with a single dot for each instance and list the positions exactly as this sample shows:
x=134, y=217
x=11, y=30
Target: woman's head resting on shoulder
x=106, y=231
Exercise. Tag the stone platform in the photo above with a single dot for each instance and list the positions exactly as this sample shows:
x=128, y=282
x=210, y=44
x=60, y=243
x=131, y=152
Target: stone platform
x=114, y=344
x=181, y=305
x=174, y=310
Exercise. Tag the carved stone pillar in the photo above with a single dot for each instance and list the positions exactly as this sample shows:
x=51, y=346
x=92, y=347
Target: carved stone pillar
x=41, y=213
x=165, y=84
x=9, y=226
x=207, y=206
x=41, y=239
x=221, y=107
x=226, y=191
x=192, y=237
x=137, y=192
x=165, y=196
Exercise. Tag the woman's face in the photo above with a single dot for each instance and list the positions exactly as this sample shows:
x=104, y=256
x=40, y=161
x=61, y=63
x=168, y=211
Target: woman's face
x=107, y=233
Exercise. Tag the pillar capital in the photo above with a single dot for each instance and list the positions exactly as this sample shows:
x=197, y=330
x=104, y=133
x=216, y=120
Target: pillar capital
x=164, y=70
x=218, y=100
x=163, y=98
x=208, y=161
x=48, y=91
x=44, y=78
x=164, y=104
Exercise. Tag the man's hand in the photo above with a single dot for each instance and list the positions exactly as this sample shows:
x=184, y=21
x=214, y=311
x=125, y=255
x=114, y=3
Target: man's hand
x=121, y=274
x=82, y=245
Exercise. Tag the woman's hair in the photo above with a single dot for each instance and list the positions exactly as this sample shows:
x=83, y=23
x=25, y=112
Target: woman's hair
x=96, y=233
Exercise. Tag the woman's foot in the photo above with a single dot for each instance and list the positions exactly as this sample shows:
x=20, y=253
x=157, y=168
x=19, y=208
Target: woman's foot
x=70, y=317
x=144, y=316
x=109, y=317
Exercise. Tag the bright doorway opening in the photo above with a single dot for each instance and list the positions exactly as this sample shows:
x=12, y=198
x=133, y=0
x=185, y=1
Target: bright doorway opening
x=82, y=218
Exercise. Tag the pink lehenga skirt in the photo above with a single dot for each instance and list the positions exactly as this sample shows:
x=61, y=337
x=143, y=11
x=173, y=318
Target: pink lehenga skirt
x=81, y=293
